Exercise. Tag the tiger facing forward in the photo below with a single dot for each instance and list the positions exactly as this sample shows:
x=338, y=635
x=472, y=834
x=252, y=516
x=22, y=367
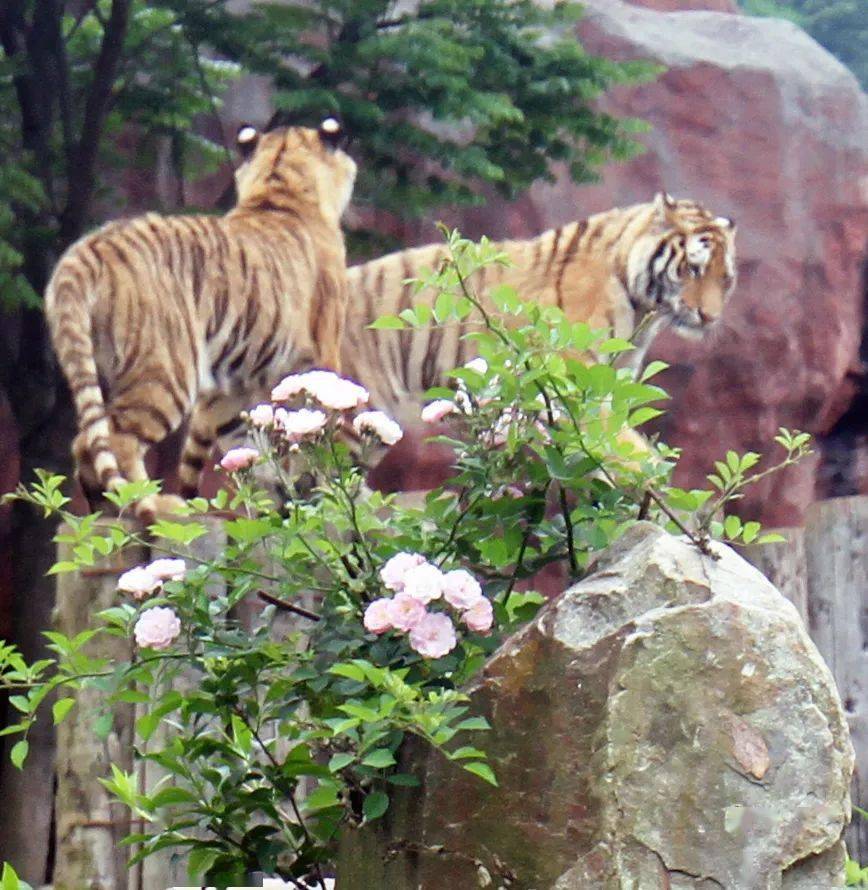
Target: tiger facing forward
x=161, y=320
x=664, y=262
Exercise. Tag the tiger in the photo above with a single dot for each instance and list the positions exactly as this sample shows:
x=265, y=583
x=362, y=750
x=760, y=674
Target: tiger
x=631, y=270
x=158, y=321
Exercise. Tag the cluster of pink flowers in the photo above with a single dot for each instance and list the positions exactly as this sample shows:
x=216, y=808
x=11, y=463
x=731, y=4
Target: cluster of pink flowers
x=158, y=627
x=321, y=391
x=325, y=387
x=142, y=581
x=416, y=584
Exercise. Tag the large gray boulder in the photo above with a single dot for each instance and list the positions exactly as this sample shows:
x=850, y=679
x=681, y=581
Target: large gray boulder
x=665, y=723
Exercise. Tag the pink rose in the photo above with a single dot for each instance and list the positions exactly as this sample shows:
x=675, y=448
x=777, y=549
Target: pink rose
x=461, y=589
x=436, y=411
x=424, y=582
x=480, y=616
x=157, y=628
x=167, y=569
x=392, y=573
x=378, y=616
x=376, y=422
x=298, y=424
x=239, y=459
x=433, y=636
x=406, y=612
x=261, y=416
x=138, y=582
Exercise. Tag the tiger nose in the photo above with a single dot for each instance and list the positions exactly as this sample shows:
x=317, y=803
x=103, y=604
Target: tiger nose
x=705, y=317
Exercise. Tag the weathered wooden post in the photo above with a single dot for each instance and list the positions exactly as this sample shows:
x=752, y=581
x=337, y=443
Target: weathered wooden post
x=89, y=825
x=836, y=558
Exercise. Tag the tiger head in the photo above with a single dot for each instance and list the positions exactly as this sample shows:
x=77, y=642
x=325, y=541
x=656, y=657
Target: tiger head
x=294, y=168
x=685, y=266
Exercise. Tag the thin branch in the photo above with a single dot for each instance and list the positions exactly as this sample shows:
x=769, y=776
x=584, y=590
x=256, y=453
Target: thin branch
x=289, y=792
x=700, y=540
x=82, y=164
x=287, y=606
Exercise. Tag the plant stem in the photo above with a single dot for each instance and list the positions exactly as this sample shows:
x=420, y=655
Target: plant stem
x=288, y=607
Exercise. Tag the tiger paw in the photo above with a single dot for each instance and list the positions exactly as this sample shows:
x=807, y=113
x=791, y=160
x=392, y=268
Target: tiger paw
x=149, y=508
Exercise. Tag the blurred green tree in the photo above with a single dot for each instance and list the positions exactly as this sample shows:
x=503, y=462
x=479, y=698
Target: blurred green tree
x=841, y=26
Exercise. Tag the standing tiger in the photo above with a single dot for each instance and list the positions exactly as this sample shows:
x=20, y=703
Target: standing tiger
x=671, y=259
x=161, y=320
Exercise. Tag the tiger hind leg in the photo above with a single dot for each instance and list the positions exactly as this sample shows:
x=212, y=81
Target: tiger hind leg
x=215, y=416
x=135, y=429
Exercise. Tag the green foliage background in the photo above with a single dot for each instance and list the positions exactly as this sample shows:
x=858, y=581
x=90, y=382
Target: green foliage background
x=444, y=101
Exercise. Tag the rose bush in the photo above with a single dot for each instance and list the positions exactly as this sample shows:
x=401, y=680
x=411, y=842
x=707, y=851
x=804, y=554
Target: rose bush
x=281, y=732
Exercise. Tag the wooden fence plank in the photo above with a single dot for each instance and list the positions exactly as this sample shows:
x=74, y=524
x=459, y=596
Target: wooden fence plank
x=836, y=559
x=784, y=565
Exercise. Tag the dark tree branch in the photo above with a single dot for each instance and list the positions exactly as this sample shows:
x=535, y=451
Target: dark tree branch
x=81, y=178
x=53, y=69
x=34, y=132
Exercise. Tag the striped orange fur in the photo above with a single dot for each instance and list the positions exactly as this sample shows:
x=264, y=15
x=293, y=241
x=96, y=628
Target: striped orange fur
x=162, y=320
x=672, y=260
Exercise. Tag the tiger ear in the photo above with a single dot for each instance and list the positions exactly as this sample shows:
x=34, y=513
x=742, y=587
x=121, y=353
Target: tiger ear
x=725, y=222
x=331, y=132
x=664, y=204
x=247, y=139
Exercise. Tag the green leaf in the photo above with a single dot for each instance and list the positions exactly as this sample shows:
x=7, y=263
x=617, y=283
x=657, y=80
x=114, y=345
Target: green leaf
x=180, y=532
x=732, y=526
x=61, y=708
x=375, y=805
x=465, y=752
x=172, y=795
x=381, y=758
x=340, y=761
x=750, y=531
x=403, y=779
x=483, y=770
x=199, y=860
x=387, y=323
x=322, y=798
x=771, y=538
x=473, y=723
x=652, y=370
x=643, y=415
x=9, y=880
x=18, y=754
x=350, y=671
